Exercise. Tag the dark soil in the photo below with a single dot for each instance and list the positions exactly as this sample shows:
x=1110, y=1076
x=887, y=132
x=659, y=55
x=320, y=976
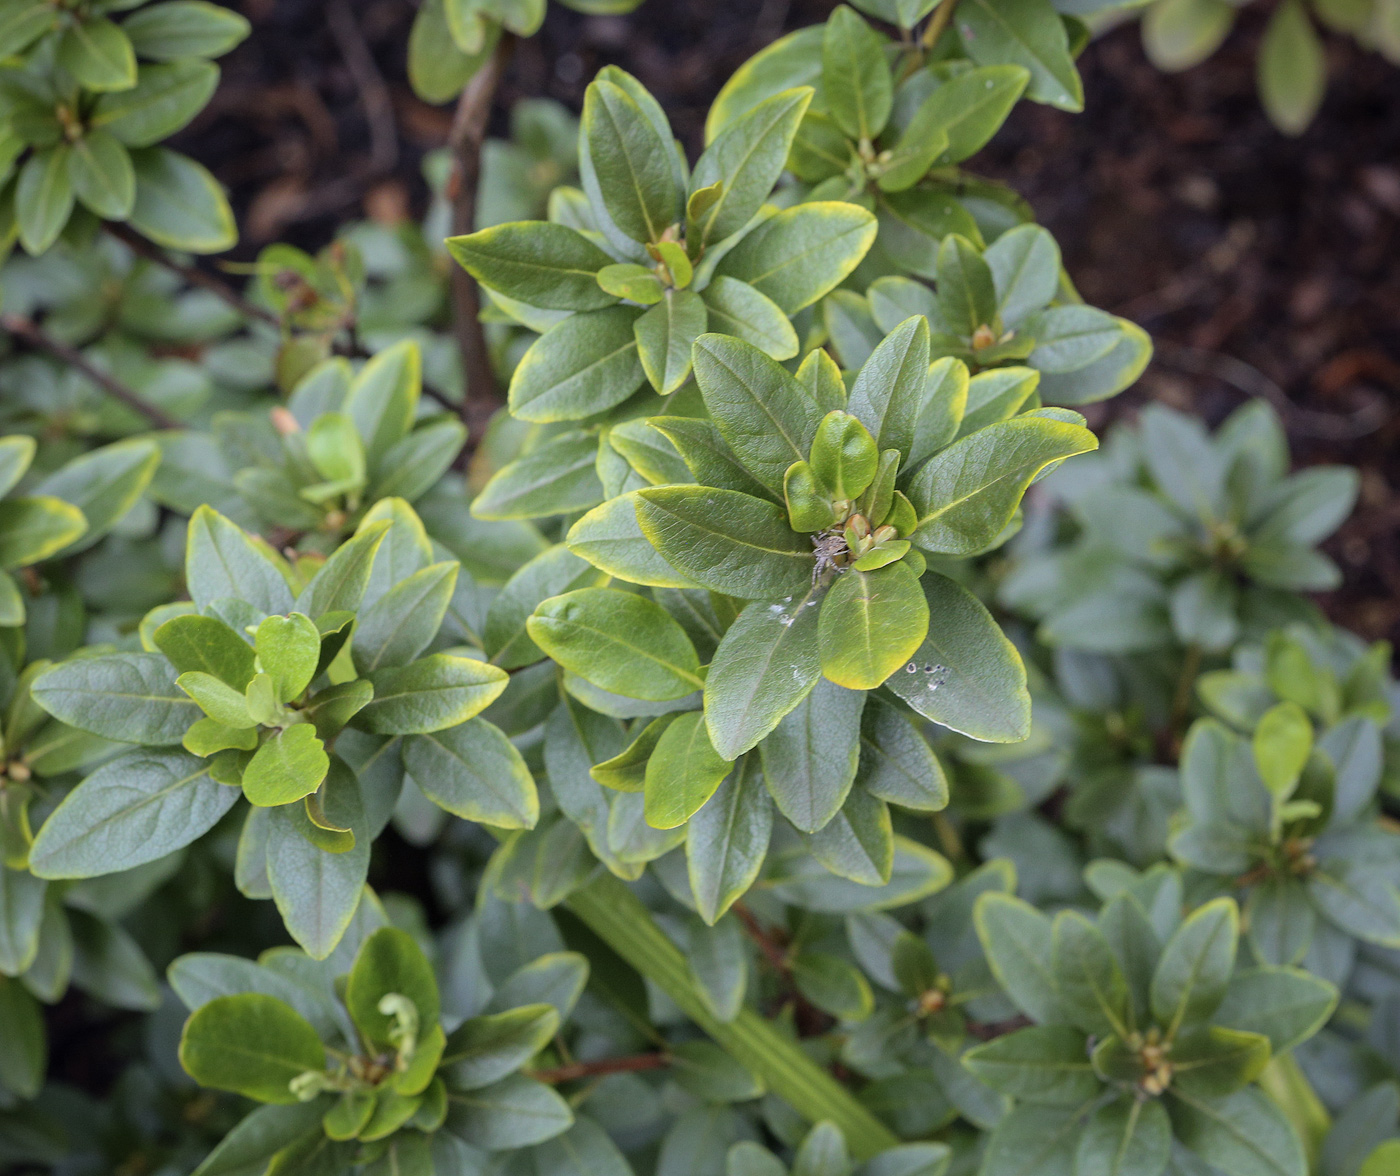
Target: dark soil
x=1262, y=265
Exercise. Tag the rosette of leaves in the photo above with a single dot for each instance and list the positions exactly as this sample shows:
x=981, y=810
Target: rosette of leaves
x=1146, y=1038
x=86, y=108
x=366, y=1074
x=997, y=309
x=1342, y=684
x=795, y=563
x=311, y=469
x=631, y=271
x=1183, y=537
x=452, y=39
x=1290, y=821
x=249, y=690
x=60, y=514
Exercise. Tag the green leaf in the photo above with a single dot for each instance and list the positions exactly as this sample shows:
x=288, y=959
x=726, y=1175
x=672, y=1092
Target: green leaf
x=736, y=308
x=383, y=401
x=916, y=873
x=1292, y=69
x=288, y=650
x=559, y=475
x=1283, y=741
x=1090, y=984
x=16, y=454
x=611, y=539
x=1211, y=1061
x=966, y=494
x=513, y=1113
x=889, y=391
x=632, y=161
x=1177, y=34
x=102, y=175
x=858, y=842
x=1018, y=941
x=1128, y=1137
x=398, y=626
x=1034, y=1141
x=164, y=99
x=23, y=24
x=317, y=892
x=810, y=758
x=98, y=54
x=222, y=562
x=130, y=697
x=727, y=840
x=179, y=204
x=665, y=334
x=287, y=767
x=33, y=529
x=896, y=762
x=745, y=159
x=536, y=262
x=971, y=107
x=389, y=961
x=430, y=694
x=1046, y=1064
x=797, y=256
x=473, y=771
x=1382, y=1160
x=763, y=414
x=1028, y=33
x=638, y=283
x=844, y=457
x=793, y=60
x=727, y=541
x=1358, y=899
x=185, y=28
x=485, y=1049
x=766, y=663
x=133, y=809
x=857, y=85
x=1244, y=1133
x=250, y=1044
x=682, y=773
x=584, y=365
x=222, y=703
x=618, y=640
x=104, y=484
x=1195, y=967
x=870, y=624
x=21, y=913
x=43, y=198
x=22, y=1039
x=703, y=1070
x=194, y=642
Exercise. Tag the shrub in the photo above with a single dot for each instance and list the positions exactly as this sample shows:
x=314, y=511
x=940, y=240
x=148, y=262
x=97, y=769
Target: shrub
x=779, y=743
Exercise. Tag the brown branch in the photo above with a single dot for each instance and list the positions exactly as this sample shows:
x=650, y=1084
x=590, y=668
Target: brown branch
x=576, y=1070
x=465, y=141
x=192, y=274
x=36, y=337
x=369, y=83
x=772, y=951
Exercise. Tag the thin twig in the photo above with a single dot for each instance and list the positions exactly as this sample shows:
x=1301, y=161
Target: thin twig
x=32, y=334
x=939, y=21
x=465, y=141
x=193, y=275
x=1251, y=381
x=576, y=1070
x=369, y=84
x=772, y=952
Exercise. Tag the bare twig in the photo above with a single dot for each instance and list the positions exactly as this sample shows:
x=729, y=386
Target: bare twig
x=369, y=82
x=193, y=275
x=772, y=951
x=36, y=337
x=464, y=141
x=939, y=21
x=576, y=1070
x=1252, y=382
